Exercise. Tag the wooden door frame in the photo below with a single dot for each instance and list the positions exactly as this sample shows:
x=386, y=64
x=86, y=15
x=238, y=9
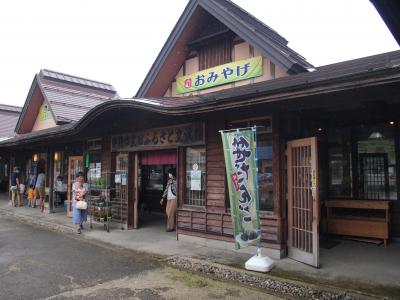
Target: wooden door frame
x=294, y=252
x=133, y=193
x=70, y=159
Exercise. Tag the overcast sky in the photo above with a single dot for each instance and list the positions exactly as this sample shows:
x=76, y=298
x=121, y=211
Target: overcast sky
x=117, y=41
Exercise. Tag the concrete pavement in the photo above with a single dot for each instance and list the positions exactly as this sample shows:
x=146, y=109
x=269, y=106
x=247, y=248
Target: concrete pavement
x=40, y=264
x=349, y=265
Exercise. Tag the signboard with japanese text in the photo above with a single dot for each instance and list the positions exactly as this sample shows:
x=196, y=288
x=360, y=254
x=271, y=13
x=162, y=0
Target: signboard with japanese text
x=241, y=169
x=227, y=73
x=44, y=112
x=179, y=135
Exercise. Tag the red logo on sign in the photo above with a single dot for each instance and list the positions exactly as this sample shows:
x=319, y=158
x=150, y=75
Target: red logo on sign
x=235, y=181
x=188, y=83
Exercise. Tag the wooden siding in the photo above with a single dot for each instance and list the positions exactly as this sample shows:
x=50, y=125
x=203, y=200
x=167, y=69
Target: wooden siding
x=214, y=221
x=214, y=54
x=215, y=169
x=218, y=225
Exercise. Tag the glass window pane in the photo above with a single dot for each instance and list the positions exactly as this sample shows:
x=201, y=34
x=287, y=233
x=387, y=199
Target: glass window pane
x=264, y=151
x=339, y=159
x=377, y=162
x=195, y=176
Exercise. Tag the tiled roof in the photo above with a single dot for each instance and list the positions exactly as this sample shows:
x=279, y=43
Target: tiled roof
x=69, y=97
x=11, y=108
x=70, y=102
x=77, y=80
x=8, y=119
x=349, y=75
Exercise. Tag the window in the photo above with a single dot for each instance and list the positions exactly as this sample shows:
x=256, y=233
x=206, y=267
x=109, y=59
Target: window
x=264, y=150
x=94, y=172
x=339, y=157
x=362, y=162
x=195, y=176
x=376, y=162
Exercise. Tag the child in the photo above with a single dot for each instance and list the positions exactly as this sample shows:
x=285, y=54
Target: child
x=31, y=196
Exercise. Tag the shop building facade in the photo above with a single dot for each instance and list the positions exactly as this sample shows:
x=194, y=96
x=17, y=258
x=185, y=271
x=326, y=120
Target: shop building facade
x=8, y=119
x=328, y=137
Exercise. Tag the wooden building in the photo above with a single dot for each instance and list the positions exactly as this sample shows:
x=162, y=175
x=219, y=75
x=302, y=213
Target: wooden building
x=9, y=115
x=328, y=138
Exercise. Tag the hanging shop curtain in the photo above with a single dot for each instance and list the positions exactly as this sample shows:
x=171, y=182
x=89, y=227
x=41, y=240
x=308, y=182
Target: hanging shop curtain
x=164, y=157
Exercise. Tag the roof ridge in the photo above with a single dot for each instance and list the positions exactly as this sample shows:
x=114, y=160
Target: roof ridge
x=72, y=91
x=47, y=73
x=5, y=106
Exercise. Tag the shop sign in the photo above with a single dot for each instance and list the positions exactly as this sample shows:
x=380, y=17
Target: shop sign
x=241, y=169
x=44, y=112
x=180, y=135
x=195, y=178
x=223, y=74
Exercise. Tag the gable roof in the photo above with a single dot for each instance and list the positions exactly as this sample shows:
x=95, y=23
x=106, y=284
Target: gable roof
x=9, y=115
x=69, y=97
x=246, y=26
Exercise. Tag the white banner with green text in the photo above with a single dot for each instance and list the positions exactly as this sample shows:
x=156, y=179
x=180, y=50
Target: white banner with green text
x=240, y=151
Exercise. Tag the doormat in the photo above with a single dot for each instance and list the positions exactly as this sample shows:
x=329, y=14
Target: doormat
x=328, y=244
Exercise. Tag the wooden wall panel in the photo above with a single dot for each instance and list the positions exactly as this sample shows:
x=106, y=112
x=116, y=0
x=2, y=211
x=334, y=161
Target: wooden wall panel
x=215, y=168
x=215, y=221
x=395, y=219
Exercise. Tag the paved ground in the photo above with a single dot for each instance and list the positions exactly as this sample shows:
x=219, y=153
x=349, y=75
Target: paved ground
x=39, y=264
x=345, y=263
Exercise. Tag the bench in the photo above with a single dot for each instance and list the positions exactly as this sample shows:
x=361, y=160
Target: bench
x=354, y=222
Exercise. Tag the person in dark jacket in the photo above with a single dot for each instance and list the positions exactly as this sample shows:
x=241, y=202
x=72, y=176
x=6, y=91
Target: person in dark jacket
x=170, y=195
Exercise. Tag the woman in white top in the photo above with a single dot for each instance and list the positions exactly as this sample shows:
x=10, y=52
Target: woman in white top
x=79, y=190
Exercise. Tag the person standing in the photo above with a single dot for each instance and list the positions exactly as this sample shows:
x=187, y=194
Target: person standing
x=40, y=188
x=15, y=193
x=31, y=196
x=79, y=190
x=170, y=195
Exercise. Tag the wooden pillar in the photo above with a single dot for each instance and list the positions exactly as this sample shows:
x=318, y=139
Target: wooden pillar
x=181, y=176
x=133, y=190
x=354, y=164
x=51, y=180
x=277, y=165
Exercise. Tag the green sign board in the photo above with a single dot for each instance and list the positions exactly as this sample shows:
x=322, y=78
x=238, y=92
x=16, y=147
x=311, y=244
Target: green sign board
x=241, y=170
x=227, y=73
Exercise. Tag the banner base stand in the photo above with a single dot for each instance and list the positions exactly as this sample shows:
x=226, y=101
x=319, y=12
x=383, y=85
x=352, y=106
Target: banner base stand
x=259, y=263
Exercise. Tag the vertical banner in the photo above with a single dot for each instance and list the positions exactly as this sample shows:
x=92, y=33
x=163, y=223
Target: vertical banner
x=240, y=151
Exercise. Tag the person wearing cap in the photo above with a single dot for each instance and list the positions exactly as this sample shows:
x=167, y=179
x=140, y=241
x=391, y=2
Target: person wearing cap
x=170, y=195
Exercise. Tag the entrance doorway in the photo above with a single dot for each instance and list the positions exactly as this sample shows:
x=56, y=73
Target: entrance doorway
x=153, y=170
x=303, y=201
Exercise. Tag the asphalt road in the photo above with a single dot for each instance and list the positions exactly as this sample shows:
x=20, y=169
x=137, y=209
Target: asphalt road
x=39, y=264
